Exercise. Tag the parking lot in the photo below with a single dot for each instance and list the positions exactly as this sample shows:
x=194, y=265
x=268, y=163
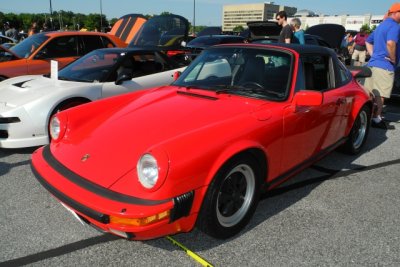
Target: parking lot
x=342, y=211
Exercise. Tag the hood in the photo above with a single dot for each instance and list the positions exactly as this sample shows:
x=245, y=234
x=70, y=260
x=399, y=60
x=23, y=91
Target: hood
x=263, y=29
x=163, y=30
x=152, y=121
x=21, y=90
x=331, y=33
x=127, y=26
x=5, y=50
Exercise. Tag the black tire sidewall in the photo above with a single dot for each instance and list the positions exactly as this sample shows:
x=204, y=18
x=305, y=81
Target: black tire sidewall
x=208, y=221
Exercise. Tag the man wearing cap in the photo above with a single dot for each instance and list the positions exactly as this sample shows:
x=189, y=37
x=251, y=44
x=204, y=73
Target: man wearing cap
x=11, y=31
x=384, y=44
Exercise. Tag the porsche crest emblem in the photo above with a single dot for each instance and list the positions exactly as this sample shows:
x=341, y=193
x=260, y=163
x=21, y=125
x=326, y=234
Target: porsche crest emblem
x=85, y=157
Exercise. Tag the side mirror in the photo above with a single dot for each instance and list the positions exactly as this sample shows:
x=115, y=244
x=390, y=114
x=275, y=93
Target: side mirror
x=361, y=72
x=122, y=77
x=177, y=74
x=308, y=98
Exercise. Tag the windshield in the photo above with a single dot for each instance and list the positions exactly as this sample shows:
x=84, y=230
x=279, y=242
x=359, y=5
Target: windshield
x=97, y=66
x=254, y=72
x=25, y=48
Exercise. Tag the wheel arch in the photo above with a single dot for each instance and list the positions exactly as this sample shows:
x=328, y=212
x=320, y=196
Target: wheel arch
x=247, y=148
x=355, y=112
x=56, y=106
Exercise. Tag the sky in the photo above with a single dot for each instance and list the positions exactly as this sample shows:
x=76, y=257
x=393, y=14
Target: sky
x=207, y=12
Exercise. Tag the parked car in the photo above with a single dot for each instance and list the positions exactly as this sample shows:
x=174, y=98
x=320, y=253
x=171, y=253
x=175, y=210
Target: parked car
x=326, y=35
x=197, y=45
x=240, y=119
x=33, y=54
x=7, y=41
x=165, y=32
x=28, y=102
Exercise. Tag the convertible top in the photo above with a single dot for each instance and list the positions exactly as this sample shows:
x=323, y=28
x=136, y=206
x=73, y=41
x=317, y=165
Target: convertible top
x=301, y=49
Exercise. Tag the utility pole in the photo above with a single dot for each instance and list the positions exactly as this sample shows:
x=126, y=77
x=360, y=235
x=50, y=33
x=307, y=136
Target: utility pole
x=101, y=15
x=51, y=16
x=194, y=17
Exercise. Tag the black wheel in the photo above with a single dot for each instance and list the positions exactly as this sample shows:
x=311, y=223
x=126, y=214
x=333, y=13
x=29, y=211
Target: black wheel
x=231, y=198
x=359, y=132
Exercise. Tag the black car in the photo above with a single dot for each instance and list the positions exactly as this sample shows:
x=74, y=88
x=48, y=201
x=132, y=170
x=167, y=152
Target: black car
x=198, y=44
x=326, y=35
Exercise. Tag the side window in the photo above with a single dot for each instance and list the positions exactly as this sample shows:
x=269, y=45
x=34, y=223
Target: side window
x=343, y=75
x=65, y=46
x=317, y=72
x=90, y=43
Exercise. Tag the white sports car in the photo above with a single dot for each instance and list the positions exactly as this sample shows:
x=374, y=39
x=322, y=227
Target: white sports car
x=28, y=102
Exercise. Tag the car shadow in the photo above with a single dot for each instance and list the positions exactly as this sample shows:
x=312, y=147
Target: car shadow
x=289, y=193
x=5, y=167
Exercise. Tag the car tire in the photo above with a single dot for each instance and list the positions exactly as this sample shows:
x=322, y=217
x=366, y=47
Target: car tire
x=358, y=133
x=231, y=198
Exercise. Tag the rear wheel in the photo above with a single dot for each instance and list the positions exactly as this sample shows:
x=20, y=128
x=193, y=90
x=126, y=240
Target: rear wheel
x=359, y=132
x=231, y=198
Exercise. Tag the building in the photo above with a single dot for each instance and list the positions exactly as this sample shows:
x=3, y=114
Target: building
x=349, y=22
x=239, y=15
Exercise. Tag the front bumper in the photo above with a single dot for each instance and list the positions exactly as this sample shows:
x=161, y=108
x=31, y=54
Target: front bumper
x=23, y=131
x=95, y=205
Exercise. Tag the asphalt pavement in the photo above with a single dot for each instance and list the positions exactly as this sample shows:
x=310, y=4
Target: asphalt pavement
x=342, y=211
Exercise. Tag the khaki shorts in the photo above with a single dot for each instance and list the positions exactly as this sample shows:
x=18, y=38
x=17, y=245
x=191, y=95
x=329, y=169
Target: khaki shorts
x=380, y=83
x=359, y=56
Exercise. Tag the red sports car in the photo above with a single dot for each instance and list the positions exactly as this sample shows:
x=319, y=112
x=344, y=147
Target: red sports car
x=239, y=120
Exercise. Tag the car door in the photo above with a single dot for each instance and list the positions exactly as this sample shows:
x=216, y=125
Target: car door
x=63, y=49
x=147, y=69
x=310, y=129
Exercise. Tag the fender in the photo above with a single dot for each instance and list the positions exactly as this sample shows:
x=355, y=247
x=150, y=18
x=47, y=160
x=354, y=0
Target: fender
x=229, y=152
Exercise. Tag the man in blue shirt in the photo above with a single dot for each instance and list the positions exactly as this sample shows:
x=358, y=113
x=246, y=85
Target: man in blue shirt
x=382, y=45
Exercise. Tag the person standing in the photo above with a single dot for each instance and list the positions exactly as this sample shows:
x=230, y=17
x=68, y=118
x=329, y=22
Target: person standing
x=383, y=46
x=359, y=49
x=298, y=35
x=33, y=29
x=11, y=31
x=286, y=34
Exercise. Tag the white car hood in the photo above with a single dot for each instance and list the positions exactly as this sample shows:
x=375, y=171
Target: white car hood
x=20, y=90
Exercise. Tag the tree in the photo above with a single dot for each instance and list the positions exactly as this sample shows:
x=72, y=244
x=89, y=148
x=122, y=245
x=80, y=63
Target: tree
x=238, y=28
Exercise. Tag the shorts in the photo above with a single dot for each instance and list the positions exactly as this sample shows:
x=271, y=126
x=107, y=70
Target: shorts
x=380, y=83
x=359, y=55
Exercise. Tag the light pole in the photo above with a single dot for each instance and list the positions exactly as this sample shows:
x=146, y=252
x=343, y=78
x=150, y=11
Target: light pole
x=101, y=15
x=51, y=16
x=194, y=17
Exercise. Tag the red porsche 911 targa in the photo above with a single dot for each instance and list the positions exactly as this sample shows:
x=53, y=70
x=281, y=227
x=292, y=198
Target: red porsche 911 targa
x=240, y=119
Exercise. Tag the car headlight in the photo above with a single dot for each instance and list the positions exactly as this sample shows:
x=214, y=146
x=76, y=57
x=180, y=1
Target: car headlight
x=148, y=171
x=57, y=127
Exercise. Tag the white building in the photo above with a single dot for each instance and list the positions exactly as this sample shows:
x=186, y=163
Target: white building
x=239, y=15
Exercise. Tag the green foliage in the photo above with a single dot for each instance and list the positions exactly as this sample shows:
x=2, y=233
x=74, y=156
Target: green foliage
x=238, y=28
x=366, y=28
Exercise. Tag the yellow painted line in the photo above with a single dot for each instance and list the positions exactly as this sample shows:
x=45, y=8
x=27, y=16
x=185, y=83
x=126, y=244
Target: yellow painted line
x=192, y=254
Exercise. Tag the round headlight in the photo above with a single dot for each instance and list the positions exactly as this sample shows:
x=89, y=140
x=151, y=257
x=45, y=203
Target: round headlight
x=147, y=169
x=55, y=127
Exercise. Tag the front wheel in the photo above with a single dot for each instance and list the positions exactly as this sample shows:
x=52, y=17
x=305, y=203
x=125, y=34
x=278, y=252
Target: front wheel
x=359, y=132
x=231, y=198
